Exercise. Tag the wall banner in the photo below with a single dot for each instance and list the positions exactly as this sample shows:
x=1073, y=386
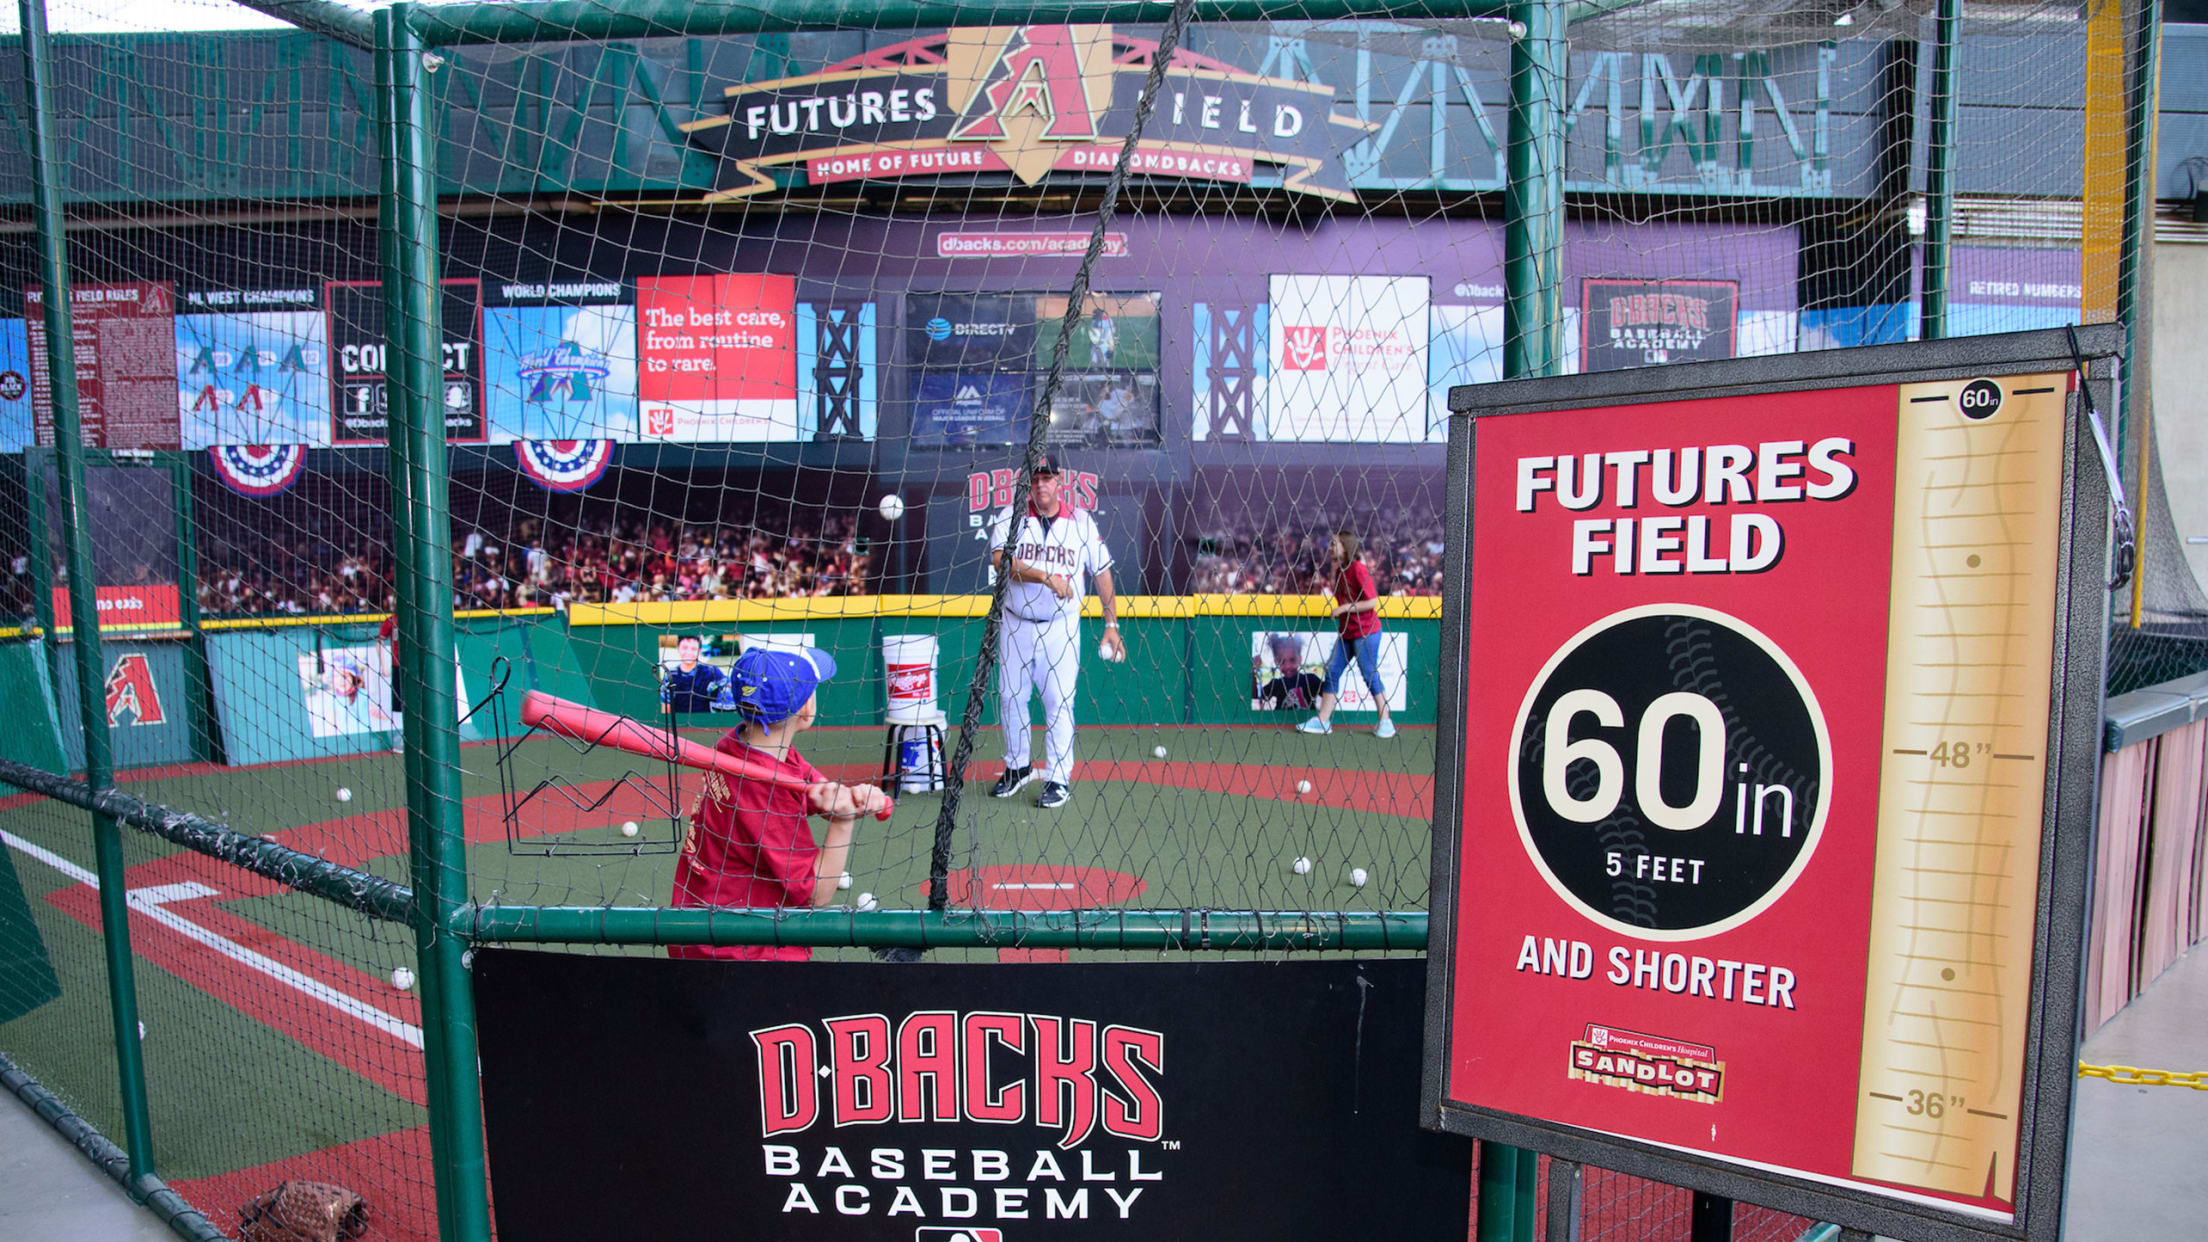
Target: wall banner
x=359, y=372
x=933, y=1102
x=1639, y=323
x=1760, y=899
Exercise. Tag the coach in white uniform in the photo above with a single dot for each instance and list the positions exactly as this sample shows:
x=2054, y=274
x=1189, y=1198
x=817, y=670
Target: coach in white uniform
x=1039, y=640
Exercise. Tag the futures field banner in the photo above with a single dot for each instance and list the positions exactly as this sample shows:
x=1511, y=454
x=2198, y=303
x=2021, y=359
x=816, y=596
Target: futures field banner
x=853, y=1102
x=1752, y=832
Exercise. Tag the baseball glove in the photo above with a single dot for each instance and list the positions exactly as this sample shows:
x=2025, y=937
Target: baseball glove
x=303, y=1212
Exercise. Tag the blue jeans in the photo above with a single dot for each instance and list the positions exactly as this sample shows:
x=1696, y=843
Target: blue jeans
x=1368, y=663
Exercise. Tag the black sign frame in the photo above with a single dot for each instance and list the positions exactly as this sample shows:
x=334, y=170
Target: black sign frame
x=2069, y=807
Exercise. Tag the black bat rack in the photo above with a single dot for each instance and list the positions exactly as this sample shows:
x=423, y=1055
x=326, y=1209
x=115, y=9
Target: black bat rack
x=553, y=796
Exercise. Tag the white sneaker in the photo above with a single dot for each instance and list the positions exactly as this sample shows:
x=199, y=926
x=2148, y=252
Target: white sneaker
x=1385, y=729
x=1314, y=725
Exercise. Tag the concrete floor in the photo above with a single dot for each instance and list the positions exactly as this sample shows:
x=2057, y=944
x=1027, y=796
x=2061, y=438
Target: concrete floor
x=2136, y=1157
x=49, y=1192
x=2137, y=1153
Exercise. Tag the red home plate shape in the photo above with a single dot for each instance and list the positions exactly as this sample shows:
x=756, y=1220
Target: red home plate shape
x=1022, y=887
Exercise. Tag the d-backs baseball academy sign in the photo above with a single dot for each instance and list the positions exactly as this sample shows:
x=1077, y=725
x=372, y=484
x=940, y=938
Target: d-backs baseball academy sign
x=1029, y=101
x=836, y=1102
x=1776, y=678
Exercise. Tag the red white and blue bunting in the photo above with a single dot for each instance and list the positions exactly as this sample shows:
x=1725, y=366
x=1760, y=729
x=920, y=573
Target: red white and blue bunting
x=564, y=465
x=259, y=469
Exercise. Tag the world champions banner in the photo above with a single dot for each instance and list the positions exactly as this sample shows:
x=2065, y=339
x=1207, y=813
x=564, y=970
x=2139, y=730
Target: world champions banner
x=628, y=1098
x=1777, y=678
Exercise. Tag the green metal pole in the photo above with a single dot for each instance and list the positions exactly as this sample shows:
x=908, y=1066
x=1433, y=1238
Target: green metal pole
x=1533, y=344
x=2141, y=90
x=1939, y=168
x=1533, y=201
x=421, y=527
x=99, y=765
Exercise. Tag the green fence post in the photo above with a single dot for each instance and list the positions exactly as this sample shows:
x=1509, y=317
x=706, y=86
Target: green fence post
x=99, y=770
x=1939, y=168
x=1533, y=200
x=1533, y=344
x=421, y=529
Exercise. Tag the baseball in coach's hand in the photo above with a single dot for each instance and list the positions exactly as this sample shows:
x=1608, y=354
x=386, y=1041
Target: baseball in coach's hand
x=1107, y=653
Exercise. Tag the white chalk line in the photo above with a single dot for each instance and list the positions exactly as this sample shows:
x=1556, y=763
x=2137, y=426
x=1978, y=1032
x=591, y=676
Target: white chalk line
x=150, y=902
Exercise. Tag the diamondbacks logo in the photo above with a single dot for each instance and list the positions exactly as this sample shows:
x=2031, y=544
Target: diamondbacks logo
x=988, y=490
x=1030, y=101
x=1650, y=1064
x=1303, y=348
x=131, y=692
x=1079, y=1076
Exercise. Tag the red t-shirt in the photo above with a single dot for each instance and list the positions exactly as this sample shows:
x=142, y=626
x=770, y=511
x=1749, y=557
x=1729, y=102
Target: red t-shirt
x=748, y=846
x=1354, y=586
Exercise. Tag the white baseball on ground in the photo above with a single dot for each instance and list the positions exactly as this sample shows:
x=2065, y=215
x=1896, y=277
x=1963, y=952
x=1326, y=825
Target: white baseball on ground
x=402, y=979
x=1303, y=787
x=893, y=506
x=1159, y=752
x=1357, y=876
x=844, y=880
x=629, y=828
x=343, y=794
x=866, y=901
x=1303, y=866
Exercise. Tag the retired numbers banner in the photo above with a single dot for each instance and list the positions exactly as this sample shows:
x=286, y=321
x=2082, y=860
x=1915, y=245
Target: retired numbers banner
x=1756, y=751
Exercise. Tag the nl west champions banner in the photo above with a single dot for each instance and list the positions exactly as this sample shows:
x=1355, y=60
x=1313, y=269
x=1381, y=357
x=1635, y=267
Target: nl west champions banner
x=1225, y=1101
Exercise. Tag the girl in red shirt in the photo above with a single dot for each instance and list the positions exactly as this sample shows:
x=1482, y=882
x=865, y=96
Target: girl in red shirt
x=1356, y=600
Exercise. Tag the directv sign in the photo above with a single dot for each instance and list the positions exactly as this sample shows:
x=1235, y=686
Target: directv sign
x=1028, y=101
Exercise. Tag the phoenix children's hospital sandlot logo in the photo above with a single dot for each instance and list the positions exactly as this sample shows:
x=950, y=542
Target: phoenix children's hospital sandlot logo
x=1304, y=348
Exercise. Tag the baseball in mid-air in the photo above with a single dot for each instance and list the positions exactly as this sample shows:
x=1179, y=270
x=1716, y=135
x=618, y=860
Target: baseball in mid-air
x=629, y=828
x=402, y=979
x=1303, y=866
x=844, y=880
x=893, y=507
x=343, y=794
x=866, y=901
x=1158, y=751
x=1303, y=787
x=1358, y=877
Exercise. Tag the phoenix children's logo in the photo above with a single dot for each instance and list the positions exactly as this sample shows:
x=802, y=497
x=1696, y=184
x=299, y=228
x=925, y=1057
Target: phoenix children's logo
x=1303, y=348
x=659, y=420
x=1078, y=1077
x=131, y=692
x=1649, y=1064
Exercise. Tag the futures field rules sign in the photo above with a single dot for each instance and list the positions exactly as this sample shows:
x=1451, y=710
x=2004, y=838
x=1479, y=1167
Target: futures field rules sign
x=1755, y=748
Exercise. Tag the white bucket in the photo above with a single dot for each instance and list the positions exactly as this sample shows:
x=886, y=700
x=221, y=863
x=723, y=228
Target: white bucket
x=908, y=663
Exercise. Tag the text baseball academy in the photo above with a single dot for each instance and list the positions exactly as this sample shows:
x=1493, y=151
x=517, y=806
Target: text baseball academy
x=1058, y=1085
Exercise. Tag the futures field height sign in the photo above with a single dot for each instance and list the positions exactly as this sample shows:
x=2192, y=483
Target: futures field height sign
x=1756, y=755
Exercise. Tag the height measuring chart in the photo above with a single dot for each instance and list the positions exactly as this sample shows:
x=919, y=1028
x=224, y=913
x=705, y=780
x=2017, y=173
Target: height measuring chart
x=1747, y=868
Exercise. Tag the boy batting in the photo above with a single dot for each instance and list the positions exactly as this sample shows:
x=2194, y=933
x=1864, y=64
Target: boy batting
x=1039, y=640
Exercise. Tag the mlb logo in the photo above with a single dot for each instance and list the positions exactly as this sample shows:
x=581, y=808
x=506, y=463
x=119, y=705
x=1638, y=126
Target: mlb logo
x=1303, y=348
x=940, y=1233
x=659, y=420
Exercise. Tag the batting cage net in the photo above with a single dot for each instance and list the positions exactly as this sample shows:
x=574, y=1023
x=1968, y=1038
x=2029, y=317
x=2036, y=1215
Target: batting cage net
x=1040, y=425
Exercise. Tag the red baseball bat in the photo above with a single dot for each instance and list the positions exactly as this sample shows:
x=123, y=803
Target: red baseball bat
x=596, y=728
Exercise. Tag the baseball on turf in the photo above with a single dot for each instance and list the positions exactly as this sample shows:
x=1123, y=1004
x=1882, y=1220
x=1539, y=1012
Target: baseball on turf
x=1303, y=866
x=866, y=901
x=1303, y=787
x=1159, y=752
x=343, y=794
x=893, y=506
x=629, y=828
x=1357, y=876
x=402, y=979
